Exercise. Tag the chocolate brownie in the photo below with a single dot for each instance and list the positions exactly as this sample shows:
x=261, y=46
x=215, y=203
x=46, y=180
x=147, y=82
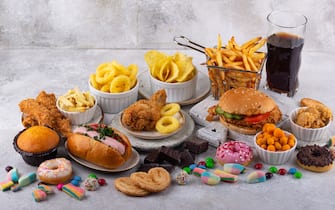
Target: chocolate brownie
x=153, y=157
x=196, y=145
x=170, y=155
x=186, y=158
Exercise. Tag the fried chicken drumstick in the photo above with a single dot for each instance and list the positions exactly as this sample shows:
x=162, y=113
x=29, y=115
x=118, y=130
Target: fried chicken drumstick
x=143, y=114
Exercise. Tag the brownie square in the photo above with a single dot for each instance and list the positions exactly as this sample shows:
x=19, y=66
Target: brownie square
x=153, y=157
x=186, y=159
x=196, y=145
x=170, y=155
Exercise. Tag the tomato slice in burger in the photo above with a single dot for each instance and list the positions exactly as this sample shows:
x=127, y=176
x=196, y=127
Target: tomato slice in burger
x=256, y=118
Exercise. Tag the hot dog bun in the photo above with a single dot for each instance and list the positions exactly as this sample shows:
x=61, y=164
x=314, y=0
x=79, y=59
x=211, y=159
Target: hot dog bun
x=106, y=155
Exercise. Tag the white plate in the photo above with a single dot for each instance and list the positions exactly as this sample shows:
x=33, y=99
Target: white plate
x=154, y=135
x=146, y=145
x=202, y=90
x=131, y=163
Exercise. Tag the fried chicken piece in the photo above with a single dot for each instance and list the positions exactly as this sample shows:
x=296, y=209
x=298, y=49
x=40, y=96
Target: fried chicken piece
x=43, y=111
x=317, y=117
x=212, y=116
x=143, y=114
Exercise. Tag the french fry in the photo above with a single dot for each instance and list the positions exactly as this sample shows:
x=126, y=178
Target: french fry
x=241, y=64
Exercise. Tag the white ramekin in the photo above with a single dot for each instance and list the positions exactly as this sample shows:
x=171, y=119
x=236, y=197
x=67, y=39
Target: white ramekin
x=175, y=92
x=307, y=134
x=115, y=102
x=78, y=118
x=277, y=157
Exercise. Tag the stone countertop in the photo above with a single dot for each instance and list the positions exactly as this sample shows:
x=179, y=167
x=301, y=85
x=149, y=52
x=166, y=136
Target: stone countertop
x=25, y=72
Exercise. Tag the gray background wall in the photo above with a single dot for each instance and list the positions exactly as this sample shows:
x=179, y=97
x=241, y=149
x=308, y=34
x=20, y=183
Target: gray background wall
x=129, y=24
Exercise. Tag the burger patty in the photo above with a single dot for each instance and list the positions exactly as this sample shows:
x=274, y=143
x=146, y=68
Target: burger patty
x=275, y=116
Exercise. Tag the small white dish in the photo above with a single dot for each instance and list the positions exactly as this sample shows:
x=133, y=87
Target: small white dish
x=131, y=163
x=154, y=135
x=202, y=88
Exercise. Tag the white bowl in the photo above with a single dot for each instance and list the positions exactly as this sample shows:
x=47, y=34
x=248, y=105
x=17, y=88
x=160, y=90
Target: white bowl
x=78, y=118
x=175, y=92
x=307, y=134
x=115, y=102
x=277, y=157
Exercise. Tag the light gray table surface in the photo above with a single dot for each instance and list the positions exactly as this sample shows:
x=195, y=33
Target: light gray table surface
x=25, y=72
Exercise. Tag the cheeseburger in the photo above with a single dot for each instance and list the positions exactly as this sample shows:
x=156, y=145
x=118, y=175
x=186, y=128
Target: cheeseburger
x=246, y=110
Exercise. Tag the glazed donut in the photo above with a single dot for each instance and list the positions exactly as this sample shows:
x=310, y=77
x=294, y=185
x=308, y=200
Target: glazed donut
x=315, y=158
x=234, y=152
x=54, y=171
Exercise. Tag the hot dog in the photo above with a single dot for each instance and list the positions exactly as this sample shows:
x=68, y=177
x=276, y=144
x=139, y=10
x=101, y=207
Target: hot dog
x=100, y=144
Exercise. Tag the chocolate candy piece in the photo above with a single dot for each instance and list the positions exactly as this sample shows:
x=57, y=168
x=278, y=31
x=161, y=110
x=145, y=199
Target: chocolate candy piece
x=186, y=158
x=170, y=155
x=196, y=145
x=153, y=157
x=147, y=166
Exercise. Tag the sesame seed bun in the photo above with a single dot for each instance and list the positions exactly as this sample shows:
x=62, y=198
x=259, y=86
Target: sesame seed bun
x=246, y=101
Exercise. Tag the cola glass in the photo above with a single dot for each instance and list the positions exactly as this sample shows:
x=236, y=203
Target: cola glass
x=286, y=32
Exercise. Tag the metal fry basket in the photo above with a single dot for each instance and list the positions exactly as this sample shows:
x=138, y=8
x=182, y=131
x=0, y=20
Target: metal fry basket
x=223, y=79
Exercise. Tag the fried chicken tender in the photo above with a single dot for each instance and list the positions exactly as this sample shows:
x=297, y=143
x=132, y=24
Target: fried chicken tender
x=143, y=114
x=43, y=111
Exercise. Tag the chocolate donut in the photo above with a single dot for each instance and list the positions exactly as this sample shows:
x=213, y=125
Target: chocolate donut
x=315, y=158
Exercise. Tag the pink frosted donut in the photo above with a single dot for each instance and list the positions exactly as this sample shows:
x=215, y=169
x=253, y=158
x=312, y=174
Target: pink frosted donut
x=234, y=152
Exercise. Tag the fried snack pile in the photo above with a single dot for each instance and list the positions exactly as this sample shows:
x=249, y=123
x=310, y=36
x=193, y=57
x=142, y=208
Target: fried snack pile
x=76, y=101
x=112, y=77
x=144, y=114
x=316, y=115
x=235, y=65
x=43, y=111
x=171, y=69
x=235, y=56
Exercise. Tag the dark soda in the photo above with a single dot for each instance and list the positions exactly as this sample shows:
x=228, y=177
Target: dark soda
x=283, y=62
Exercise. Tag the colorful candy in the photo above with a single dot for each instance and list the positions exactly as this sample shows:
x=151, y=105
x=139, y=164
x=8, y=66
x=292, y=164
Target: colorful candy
x=102, y=182
x=209, y=162
x=6, y=185
x=13, y=175
x=282, y=171
x=292, y=171
x=233, y=168
x=27, y=179
x=256, y=177
x=47, y=189
x=210, y=178
x=91, y=184
x=225, y=176
x=15, y=188
x=182, y=178
x=198, y=171
x=78, y=178
x=193, y=166
x=268, y=175
x=39, y=195
x=91, y=175
x=60, y=186
x=74, y=191
x=298, y=175
x=187, y=170
x=273, y=169
x=75, y=182
x=258, y=166
x=8, y=168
